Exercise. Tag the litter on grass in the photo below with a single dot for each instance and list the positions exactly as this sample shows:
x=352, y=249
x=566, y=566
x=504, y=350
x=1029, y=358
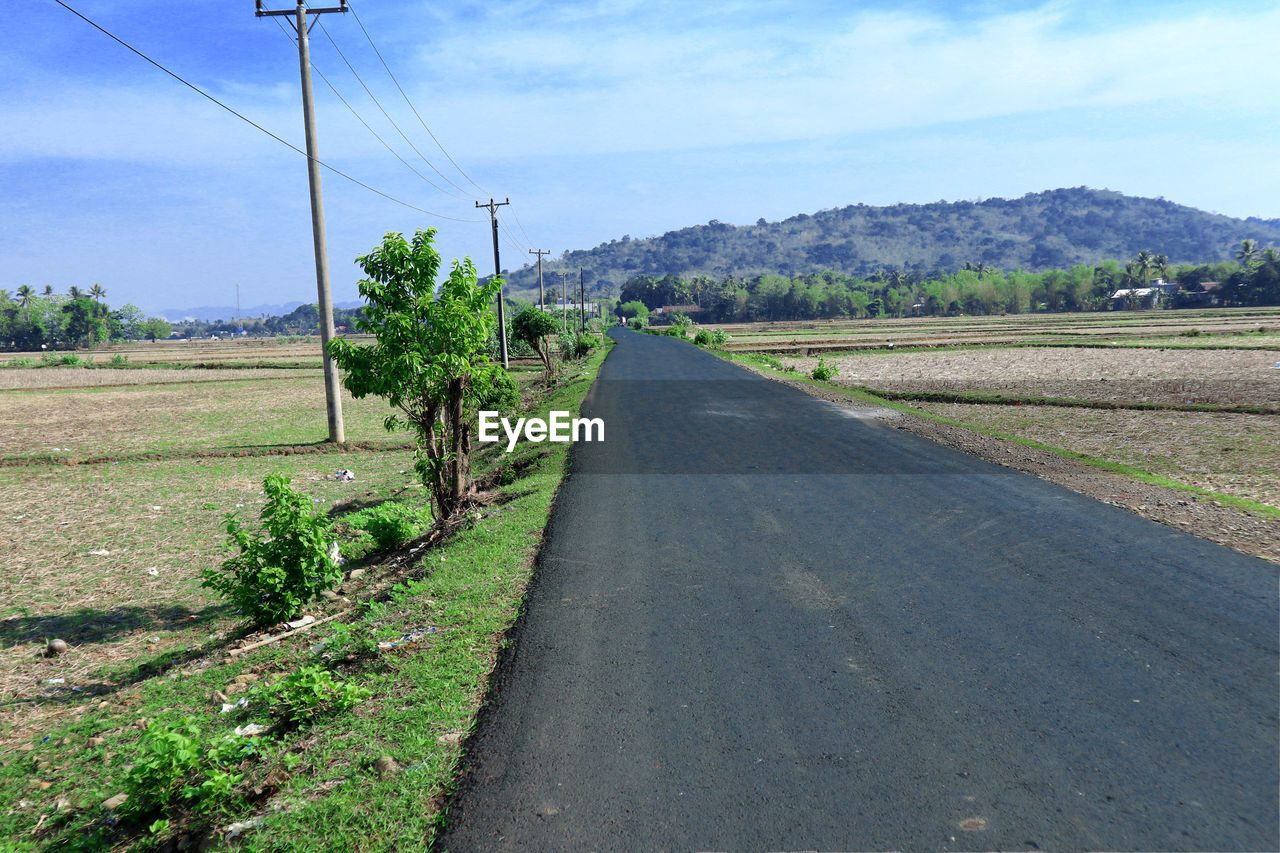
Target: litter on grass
x=154, y=572
x=250, y=730
x=101, y=553
x=409, y=638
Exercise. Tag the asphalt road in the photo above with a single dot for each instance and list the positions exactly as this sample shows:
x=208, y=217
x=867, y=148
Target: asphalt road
x=761, y=623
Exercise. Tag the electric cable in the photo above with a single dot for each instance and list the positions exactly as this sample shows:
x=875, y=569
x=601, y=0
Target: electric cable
x=253, y=123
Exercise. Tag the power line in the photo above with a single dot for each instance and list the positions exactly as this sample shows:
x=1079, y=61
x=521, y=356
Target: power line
x=410, y=103
x=250, y=121
x=378, y=104
x=521, y=224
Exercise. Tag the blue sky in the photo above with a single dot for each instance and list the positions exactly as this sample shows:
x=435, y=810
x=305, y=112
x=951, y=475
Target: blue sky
x=597, y=118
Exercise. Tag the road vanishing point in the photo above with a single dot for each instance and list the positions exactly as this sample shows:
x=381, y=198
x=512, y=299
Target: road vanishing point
x=762, y=621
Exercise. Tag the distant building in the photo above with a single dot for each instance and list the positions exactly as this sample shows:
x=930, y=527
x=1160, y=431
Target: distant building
x=1140, y=297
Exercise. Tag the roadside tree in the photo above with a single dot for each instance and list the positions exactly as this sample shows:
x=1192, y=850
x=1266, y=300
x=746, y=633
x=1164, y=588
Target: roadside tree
x=534, y=326
x=428, y=358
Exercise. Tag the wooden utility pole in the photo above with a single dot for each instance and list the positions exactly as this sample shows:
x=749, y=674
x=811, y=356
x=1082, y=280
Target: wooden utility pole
x=497, y=273
x=332, y=394
x=582, y=301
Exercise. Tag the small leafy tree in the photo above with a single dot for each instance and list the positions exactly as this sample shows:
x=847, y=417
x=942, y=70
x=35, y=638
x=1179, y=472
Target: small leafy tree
x=275, y=574
x=534, y=326
x=429, y=359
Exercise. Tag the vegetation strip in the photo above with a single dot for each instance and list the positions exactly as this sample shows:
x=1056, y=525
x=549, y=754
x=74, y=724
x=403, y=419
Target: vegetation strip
x=350, y=733
x=979, y=398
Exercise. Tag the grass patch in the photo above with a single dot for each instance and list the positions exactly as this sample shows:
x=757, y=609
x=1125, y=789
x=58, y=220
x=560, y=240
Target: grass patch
x=424, y=633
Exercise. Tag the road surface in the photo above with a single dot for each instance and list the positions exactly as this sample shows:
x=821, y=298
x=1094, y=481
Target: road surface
x=763, y=622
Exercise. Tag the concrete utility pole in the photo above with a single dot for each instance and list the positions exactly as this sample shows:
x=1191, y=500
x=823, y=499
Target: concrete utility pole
x=542, y=306
x=497, y=271
x=582, y=301
x=332, y=394
x=564, y=300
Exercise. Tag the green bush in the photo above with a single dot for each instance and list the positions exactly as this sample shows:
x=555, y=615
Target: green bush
x=70, y=359
x=172, y=763
x=824, y=372
x=50, y=359
x=636, y=323
x=275, y=574
x=22, y=362
x=391, y=524
x=119, y=359
x=311, y=691
x=674, y=332
x=579, y=345
x=766, y=360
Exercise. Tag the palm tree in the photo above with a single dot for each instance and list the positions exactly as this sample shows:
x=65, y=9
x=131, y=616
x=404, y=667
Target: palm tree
x=1161, y=265
x=1270, y=255
x=1145, y=263
x=1248, y=252
x=97, y=292
x=25, y=295
x=75, y=292
x=4, y=297
x=48, y=290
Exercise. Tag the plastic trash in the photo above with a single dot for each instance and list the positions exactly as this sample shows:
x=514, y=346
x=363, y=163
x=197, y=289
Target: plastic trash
x=154, y=572
x=301, y=622
x=101, y=553
x=250, y=730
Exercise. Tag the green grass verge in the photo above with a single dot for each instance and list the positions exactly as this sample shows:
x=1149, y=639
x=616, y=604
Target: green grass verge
x=864, y=395
x=316, y=787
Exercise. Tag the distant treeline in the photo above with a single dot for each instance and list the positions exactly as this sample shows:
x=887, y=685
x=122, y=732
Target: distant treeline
x=1253, y=279
x=31, y=321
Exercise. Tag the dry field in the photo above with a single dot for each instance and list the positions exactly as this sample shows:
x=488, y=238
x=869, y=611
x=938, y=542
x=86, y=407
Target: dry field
x=108, y=557
x=204, y=411
x=1256, y=327
x=1228, y=453
x=36, y=378
x=1215, y=377
x=250, y=350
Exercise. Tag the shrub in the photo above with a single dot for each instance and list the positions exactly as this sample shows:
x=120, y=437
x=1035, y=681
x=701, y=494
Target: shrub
x=70, y=359
x=22, y=362
x=119, y=359
x=675, y=332
x=50, y=359
x=312, y=690
x=578, y=346
x=391, y=524
x=767, y=360
x=711, y=338
x=171, y=763
x=636, y=323
x=275, y=575
x=824, y=371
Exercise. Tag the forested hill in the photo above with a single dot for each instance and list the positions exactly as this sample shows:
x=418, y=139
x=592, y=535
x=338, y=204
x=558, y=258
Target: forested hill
x=1050, y=230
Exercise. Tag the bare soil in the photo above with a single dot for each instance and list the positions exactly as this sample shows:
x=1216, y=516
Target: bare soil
x=1222, y=377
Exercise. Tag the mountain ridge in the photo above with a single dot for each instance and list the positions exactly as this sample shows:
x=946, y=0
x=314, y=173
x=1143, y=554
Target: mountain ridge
x=1052, y=229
